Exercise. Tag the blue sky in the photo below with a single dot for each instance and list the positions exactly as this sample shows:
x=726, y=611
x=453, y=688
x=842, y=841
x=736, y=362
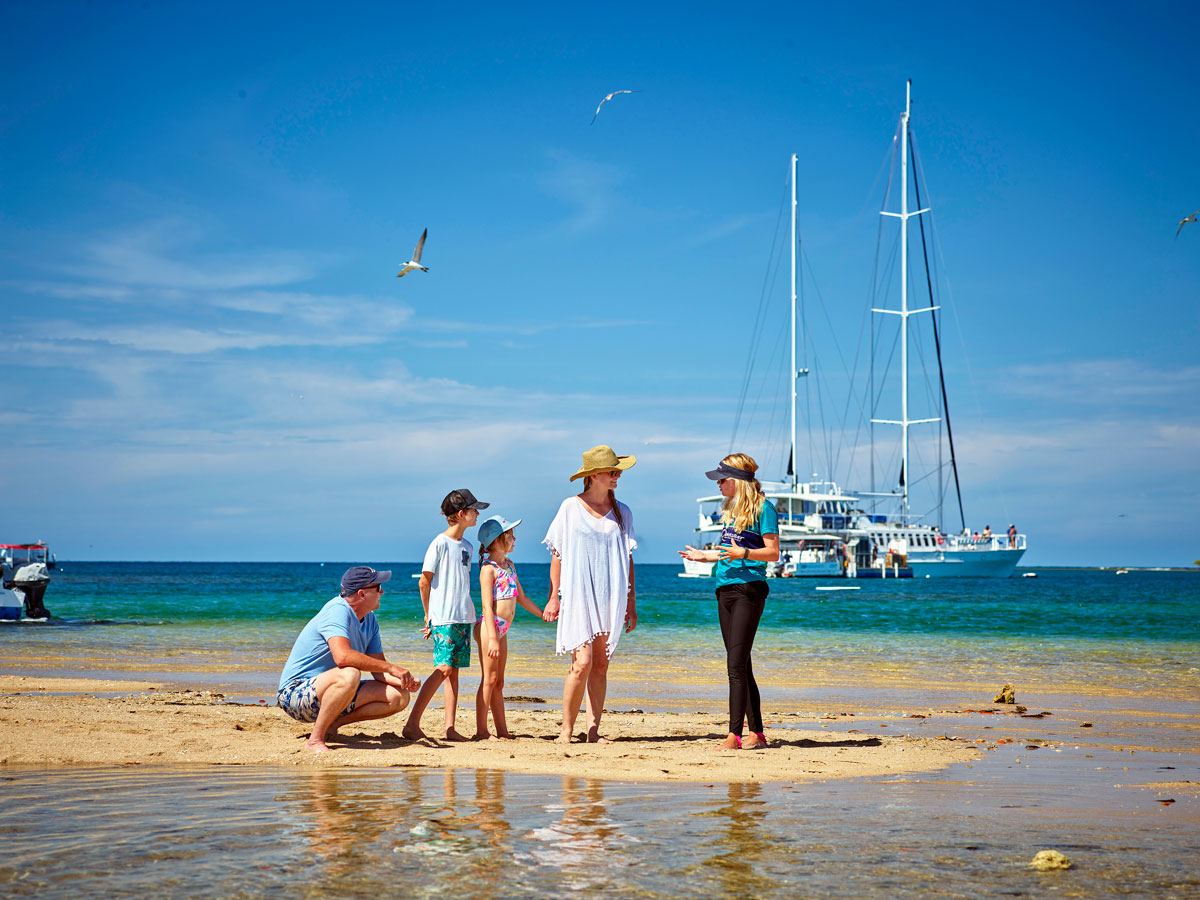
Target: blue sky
x=202, y=210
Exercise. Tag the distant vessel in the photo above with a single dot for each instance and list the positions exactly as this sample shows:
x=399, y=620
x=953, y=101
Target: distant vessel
x=826, y=532
x=25, y=576
x=925, y=548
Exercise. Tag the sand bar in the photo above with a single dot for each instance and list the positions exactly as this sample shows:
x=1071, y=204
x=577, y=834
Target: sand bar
x=47, y=722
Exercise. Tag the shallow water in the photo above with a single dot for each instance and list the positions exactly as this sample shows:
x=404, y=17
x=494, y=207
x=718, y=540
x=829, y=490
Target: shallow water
x=233, y=624
x=969, y=832
x=1124, y=650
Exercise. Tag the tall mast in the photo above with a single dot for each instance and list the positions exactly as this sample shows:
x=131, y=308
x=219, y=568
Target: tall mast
x=904, y=312
x=904, y=474
x=795, y=374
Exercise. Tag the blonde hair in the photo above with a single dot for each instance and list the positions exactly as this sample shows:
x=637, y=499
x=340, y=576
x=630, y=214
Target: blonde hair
x=743, y=508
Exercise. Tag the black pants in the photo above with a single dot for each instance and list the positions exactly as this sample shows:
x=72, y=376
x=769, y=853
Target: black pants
x=739, y=607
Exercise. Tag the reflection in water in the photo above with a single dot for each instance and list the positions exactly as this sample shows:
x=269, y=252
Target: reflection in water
x=740, y=844
x=586, y=845
x=204, y=833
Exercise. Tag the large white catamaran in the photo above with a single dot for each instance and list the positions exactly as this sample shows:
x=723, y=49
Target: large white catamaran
x=824, y=531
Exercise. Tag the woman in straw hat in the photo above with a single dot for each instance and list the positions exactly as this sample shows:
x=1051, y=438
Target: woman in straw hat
x=591, y=583
x=750, y=541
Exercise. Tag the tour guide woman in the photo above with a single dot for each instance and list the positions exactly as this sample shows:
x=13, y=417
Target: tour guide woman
x=750, y=541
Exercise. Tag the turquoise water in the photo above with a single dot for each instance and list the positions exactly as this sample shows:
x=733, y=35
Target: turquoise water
x=233, y=623
x=966, y=832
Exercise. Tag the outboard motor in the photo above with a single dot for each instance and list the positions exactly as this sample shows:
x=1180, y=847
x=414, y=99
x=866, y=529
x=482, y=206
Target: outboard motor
x=32, y=581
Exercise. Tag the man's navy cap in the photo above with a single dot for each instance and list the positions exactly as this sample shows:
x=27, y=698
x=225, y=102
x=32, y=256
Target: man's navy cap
x=360, y=577
x=457, y=501
x=724, y=470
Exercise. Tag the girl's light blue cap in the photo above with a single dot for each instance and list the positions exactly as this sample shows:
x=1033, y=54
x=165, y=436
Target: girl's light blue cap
x=492, y=527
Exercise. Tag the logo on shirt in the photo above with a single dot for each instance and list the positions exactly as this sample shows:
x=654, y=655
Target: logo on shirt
x=466, y=559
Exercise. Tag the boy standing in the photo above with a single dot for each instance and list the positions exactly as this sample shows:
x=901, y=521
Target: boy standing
x=445, y=588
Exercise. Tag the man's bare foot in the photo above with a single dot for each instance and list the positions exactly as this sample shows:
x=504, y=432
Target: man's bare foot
x=733, y=742
x=413, y=733
x=593, y=737
x=482, y=736
x=753, y=742
x=316, y=746
x=505, y=736
x=452, y=735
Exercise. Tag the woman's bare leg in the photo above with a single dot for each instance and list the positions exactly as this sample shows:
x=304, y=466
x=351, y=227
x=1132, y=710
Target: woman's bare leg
x=597, y=688
x=573, y=690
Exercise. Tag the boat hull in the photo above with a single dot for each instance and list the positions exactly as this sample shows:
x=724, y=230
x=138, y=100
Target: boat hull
x=966, y=563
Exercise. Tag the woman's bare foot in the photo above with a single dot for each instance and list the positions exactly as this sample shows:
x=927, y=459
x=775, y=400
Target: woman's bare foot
x=593, y=737
x=753, y=742
x=413, y=733
x=733, y=742
x=452, y=735
x=563, y=738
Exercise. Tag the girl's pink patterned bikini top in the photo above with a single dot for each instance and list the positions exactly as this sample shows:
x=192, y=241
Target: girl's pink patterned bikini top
x=505, y=587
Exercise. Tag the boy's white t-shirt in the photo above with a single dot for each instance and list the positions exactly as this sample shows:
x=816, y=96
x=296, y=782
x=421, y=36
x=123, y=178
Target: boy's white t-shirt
x=450, y=591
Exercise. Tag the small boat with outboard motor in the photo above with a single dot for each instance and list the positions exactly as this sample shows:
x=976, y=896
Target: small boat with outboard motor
x=26, y=575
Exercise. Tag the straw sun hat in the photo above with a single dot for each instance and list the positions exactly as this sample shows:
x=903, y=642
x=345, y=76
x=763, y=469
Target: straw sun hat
x=603, y=459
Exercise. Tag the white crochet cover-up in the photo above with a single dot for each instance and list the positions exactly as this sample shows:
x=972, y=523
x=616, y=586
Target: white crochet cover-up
x=594, y=587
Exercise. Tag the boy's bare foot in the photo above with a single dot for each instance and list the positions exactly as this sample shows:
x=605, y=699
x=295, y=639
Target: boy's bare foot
x=733, y=742
x=452, y=735
x=413, y=733
x=316, y=746
x=593, y=737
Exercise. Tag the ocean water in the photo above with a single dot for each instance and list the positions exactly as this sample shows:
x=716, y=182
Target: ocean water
x=1126, y=646
x=1064, y=631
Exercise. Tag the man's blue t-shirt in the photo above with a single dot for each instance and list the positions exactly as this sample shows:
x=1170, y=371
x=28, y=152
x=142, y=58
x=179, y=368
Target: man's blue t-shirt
x=311, y=654
x=742, y=571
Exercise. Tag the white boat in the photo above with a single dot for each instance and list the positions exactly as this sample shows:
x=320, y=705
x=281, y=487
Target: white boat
x=813, y=517
x=825, y=531
x=24, y=574
x=926, y=548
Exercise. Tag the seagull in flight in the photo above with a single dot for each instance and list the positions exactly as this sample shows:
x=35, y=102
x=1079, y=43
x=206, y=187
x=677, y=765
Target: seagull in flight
x=415, y=262
x=606, y=99
x=1191, y=218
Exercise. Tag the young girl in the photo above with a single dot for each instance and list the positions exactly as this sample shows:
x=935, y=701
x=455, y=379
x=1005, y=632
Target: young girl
x=500, y=591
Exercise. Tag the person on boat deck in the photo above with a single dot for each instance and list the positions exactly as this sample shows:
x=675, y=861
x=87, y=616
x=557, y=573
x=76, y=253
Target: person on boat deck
x=987, y=531
x=322, y=681
x=1012, y=535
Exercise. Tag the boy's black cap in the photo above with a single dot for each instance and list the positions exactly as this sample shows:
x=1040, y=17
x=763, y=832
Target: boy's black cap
x=457, y=501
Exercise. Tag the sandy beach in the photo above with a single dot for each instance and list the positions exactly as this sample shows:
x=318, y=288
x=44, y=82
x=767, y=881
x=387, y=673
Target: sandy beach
x=55, y=722
x=68, y=722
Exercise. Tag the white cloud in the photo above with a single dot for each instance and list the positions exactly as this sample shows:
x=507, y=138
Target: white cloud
x=150, y=256
x=1091, y=382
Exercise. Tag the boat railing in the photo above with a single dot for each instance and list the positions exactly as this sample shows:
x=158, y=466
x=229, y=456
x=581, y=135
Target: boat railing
x=992, y=542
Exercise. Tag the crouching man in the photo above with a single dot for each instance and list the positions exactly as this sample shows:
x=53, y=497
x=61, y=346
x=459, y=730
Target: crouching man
x=322, y=681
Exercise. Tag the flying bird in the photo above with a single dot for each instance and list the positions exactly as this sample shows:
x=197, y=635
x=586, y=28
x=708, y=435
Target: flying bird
x=1191, y=218
x=415, y=262
x=606, y=99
